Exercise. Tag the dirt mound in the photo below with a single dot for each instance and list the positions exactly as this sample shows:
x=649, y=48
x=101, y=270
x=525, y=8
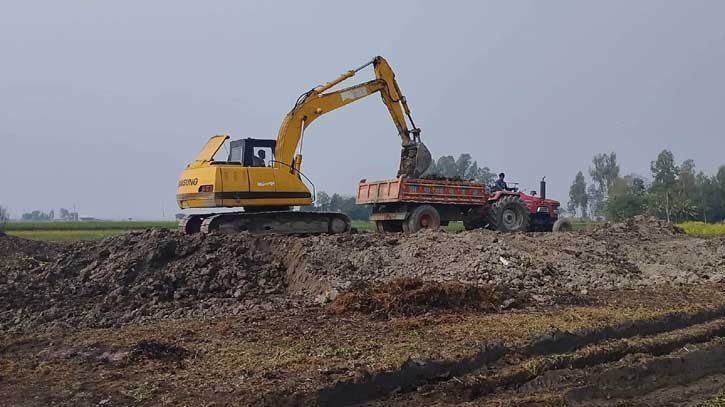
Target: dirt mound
x=639, y=226
x=140, y=275
x=541, y=264
x=152, y=275
x=408, y=296
x=25, y=254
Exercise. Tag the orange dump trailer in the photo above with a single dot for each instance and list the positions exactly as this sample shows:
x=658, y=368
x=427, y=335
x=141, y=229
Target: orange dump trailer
x=410, y=204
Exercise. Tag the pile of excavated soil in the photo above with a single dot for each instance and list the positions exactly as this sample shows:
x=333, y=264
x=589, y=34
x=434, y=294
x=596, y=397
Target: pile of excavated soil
x=541, y=264
x=136, y=276
x=140, y=276
x=640, y=227
x=407, y=296
x=18, y=253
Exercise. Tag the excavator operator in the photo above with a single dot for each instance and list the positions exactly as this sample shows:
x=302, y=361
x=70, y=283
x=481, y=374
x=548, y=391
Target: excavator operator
x=258, y=160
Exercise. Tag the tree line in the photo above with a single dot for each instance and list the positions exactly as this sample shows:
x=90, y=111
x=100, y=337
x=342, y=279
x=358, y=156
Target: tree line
x=463, y=168
x=38, y=215
x=338, y=203
x=675, y=192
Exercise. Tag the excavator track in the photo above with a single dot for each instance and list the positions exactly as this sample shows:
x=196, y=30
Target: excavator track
x=273, y=222
x=191, y=224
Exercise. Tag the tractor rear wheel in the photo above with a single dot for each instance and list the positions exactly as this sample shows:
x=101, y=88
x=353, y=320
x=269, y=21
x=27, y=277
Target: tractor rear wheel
x=422, y=217
x=509, y=214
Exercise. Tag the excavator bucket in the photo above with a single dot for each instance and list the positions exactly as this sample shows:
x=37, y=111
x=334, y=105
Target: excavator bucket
x=415, y=159
x=422, y=159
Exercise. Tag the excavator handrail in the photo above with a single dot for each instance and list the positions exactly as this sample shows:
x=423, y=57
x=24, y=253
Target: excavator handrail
x=292, y=170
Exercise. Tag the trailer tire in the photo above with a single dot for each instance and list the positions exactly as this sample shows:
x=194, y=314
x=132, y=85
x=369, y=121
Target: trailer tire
x=509, y=214
x=562, y=225
x=422, y=217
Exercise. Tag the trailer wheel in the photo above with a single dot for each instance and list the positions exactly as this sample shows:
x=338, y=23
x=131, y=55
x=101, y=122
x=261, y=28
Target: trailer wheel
x=509, y=214
x=422, y=217
x=389, y=226
x=562, y=225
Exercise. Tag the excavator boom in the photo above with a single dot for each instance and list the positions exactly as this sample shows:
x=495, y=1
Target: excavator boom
x=415, y=157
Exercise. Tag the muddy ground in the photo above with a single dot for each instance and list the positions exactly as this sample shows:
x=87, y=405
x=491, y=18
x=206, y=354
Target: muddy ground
x=626, y=314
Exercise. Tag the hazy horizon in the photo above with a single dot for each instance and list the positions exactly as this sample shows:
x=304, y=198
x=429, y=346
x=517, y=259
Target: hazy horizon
x=103, y=104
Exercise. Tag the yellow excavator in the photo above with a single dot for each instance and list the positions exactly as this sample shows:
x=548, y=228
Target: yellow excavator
x=264, y=178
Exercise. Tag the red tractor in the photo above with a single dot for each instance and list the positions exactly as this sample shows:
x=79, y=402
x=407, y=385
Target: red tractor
x=410, y=204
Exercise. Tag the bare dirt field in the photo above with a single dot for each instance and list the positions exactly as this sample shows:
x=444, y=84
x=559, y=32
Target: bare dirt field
x=626, y=314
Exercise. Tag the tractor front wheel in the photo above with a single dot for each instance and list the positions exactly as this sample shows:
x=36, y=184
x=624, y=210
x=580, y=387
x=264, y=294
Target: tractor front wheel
x=562, y=225
x=509, y=214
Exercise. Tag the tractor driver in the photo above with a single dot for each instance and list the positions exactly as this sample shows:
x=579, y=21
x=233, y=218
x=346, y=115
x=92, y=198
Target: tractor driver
x=258, y=160
x=501, y=184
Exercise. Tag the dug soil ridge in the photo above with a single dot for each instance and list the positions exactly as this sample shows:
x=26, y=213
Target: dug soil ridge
x=561, y=350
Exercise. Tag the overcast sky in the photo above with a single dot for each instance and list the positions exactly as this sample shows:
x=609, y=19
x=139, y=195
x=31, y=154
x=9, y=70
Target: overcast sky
x=102, y=104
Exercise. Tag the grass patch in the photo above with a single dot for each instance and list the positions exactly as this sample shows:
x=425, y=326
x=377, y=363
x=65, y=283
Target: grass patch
x=63, y=235
x=703, y=229
x=82, y=230
x=717, y=401
x=90, y=225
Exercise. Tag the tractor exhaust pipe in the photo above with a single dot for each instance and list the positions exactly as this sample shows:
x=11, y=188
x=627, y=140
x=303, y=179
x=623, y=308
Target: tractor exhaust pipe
x=542, y=188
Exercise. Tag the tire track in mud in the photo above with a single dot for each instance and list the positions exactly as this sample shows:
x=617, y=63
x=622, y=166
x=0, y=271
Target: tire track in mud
x=589, y=357
x=563, y=341
x=580, y=350
x=634, y=382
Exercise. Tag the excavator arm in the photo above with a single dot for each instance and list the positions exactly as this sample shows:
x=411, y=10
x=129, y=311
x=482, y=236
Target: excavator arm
x=415, y=157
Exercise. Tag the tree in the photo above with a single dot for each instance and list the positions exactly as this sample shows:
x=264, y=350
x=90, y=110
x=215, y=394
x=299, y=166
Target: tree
x=625, y=206
x=322, y=201
x=4, y=214
x=578, y=195
x=627, y=198
x=595, y=198
x=686, y=180
x=482, y=175
x=604, y=172
x=446, y=167
x=720, y=178
x=664, y=176
x=664, y=171
x=336, y=203
x=463, y=165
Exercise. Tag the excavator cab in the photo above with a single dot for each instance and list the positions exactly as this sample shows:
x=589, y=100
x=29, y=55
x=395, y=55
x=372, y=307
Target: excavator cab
x=252, y=152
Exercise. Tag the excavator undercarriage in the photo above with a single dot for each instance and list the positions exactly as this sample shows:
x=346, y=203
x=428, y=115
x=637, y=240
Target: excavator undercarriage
x=258, y=223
